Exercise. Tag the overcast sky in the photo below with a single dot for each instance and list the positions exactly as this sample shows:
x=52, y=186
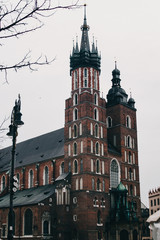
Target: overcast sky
x=128, y=31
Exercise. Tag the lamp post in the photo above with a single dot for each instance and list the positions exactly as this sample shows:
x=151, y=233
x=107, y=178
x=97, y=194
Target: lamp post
x=15, y=122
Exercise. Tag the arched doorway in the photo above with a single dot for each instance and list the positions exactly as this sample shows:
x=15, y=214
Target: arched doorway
x=124, y=235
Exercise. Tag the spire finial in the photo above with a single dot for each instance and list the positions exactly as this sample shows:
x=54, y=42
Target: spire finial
x=115, y=64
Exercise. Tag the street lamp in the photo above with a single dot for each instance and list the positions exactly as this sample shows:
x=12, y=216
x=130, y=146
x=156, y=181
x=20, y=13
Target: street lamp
x=15, y=122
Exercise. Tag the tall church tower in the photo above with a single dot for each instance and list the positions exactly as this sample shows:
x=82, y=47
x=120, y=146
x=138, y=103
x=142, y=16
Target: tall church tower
x=100, y=151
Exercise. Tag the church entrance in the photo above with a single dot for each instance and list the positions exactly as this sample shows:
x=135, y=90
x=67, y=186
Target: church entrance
x=124, y=235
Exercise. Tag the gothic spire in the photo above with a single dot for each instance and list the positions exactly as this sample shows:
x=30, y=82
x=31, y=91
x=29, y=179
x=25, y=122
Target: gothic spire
x=85, y=39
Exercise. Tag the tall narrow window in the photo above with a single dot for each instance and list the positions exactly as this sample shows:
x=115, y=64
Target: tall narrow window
x=30, y=178
x=131, y=190
x=97, y=148
x=130, y=157
x=134, y=174
x=75, y=80
x=103, y=186
x=133, y=158
x=101, y=132
x=3, y=183
x=28, y=222
x=81, y=165
x=97, y=166
x=74, y=148
x=114, y=174
x=45, y=228
x=98, y=185
x=81, y=183
x=96, y=117
x=130, y=174
x=91, y=146
x=70, y=132
x=93, y=184
x=85, y=78
x=102, y=149
x=75, y=99
x=92, y=166
x=77, y=185
x=62, y=168
x=109, y=122
x=95, y=99
x=125, y=156
x=126, y=173
x=80, y=129
x=75, y=130
x=102, y=167
x=75, y=166
x=75, y=114
x=91, y=129
x=96, y=130
x=45, y=176
x=95, y=79
x=81, y=146
x=128, y=122
x=129, y=142
x=69, y=150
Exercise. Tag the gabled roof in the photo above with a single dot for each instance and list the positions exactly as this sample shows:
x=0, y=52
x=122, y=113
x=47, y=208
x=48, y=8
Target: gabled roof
x=38, y=149
x=28, y=196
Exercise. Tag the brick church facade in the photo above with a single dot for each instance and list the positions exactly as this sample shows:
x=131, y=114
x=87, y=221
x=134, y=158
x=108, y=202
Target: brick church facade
x=81, y=181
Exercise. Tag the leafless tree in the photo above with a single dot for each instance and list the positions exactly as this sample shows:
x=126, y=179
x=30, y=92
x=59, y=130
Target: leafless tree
x=24, y=16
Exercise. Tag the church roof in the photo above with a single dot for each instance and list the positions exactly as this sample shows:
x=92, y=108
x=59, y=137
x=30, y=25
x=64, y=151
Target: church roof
x=28, y=196
x=38, y=149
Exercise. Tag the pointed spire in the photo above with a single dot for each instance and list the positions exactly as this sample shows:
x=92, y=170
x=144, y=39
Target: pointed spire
x=85, y=28
x=93, y=46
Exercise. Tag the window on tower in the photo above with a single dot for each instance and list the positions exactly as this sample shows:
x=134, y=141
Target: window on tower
x=93, y=184
x=62, y=168
x=98, y=166
x=85, y=78
x=96, y=116
x=95, y=79
x=75, y=80
x=128, y=121
x=114, y=174
x=95, y=99
x=30, y=185
x=75, y=166
x=45, y=176
x=74, y=148
x=75, y=99
x=75, y=130
x=81, y=183
x=98, y=185
x=129, y=142
x=97, y=148
x=96, y=130
x=109, y=122
x=75, y=114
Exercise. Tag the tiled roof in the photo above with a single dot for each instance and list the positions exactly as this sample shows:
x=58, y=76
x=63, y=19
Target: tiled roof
x=44, y=147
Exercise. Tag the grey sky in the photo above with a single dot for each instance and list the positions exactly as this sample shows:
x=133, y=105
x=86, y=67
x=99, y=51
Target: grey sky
x=128, y=31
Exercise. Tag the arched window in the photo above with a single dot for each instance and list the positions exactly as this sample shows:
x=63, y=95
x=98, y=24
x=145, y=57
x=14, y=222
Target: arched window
x=75, y=114
x=98, y=185
x=45, y=228
x=74, y=148
x=85, y=78
x=128, y=122
x=95, y=79
x=101, y=132
x=3, y=183
x=130, y=157
x=81, y=183
x=75, y=130
x=46, y=176
x=96, y=116
x=77, y=187
x=92, y=165
x=75, y=80
x=95, y=99
x=69, y=167
x=81, y=165
x=75, y=166
x=129, y=142
x=93, y=184
x=62, y=168
x=70, y=132
x=96, y=130
x=69, y=150
x=114, y=174
x=97, y=148
x=109, y=122
x=28, y=222
x=103, y=185
x=130, y=174
x=91, y=129
x=30, y=179
x=80, y=129
x=97, y=166
x=75, y=99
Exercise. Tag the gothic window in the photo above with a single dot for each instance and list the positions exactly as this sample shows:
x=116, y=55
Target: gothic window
x=3, y=183
x=109, y=122
x=103, y=185
x=45, y=228
x=91, y=146
x=81, y=165
x=62, y=168
x=98, y=185
x=126, y=173
x=75, y=114
x=102, y=149
x=97, y=166
x=85, y=78
x=81, y=183
x=77, y=184
x=128, y=122
x=81, y=146
x=91, y=129
x=101, y=132
x=75, y=80
x=134, y=174
x=114, y=174
x=96, y=130
x=97, y=148
x=93, y=184
x=28, y=222
x=69, y=150
x=130, y=157
x=75, y=166
x=92, y=165
x=30, y=179
x=74, y=148
x=75, y=99
x=102, y=167
x=75, y=130
x=133, y=158
x=130, y=174
x=95, y=79
x=80, y=129
x=135, y=191
x=125, y=156
x=45, y=176
x=96, y=117
x=95, y=99
x=129, y=141
x=70, y=132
